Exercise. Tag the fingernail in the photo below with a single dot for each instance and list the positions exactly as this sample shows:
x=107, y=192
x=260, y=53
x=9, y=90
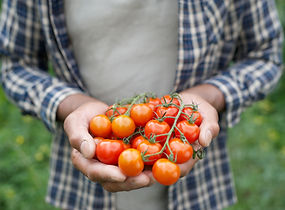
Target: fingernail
x=86, y=149
x=208, y=137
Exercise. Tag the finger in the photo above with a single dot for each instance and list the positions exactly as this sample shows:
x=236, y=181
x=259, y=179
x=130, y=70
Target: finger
x=209, y=127
x=76, y=128
x=95, y=170
x=150, y=175
x=131, y=183
x=186, y=167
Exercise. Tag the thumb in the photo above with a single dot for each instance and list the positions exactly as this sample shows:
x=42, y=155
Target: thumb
x=87, y=148
x=208, y=131
x=78, y=135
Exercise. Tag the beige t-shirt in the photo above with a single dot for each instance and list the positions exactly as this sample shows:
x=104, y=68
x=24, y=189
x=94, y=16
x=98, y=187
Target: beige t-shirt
x=124, y=47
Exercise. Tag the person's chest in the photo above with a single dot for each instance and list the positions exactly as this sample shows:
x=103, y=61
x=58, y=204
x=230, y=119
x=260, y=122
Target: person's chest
x=124, y=47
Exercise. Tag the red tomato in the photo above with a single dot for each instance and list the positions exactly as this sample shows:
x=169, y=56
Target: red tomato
x=148, y=148
x=153, y=103
x=136, y=141
x=190, y=130
x=155, y=127
x=196, y=117
x=169, y=113
x=126, y=146
x=123, y=126
x=120, y=110
x=141, y=114
x=100, y=126
x=181, y=151
x=152, y=106
x=108, y=151
x=130, y=162
x=165, y=171
x=168, y=99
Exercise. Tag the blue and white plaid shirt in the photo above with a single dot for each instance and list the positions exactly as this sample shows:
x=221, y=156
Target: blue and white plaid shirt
x=234, y=45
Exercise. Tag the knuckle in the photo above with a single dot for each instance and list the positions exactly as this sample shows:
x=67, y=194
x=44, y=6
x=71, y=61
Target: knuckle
x=73, y=139
x=74, y=157
x=91, y=176
x=94, y=175
x=109, y=187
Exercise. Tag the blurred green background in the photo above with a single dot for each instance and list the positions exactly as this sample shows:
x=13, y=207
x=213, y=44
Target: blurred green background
x=256, y=145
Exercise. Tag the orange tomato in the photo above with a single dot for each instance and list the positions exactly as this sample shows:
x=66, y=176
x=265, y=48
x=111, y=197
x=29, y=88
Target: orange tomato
x=100, y=126
x=123, y=126
x=130, y=162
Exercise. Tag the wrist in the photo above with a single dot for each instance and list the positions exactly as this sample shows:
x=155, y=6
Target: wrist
x=71, y=103
x=209, y=93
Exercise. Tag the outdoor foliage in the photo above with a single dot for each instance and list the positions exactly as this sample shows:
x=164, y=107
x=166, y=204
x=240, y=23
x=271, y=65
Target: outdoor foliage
x=256, y=145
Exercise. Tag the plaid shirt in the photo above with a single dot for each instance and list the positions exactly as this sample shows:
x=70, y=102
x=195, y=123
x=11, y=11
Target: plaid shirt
x=234, y=45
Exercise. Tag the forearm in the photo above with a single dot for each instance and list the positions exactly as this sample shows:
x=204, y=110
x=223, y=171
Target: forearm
x=72, y=102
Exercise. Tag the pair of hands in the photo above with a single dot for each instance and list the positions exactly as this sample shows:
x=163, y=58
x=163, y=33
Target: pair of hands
x=77, y=110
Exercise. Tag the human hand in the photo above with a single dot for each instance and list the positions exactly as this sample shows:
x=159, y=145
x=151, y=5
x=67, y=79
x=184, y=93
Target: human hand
x=110, y=176
x=76, y=124
x=210, y=100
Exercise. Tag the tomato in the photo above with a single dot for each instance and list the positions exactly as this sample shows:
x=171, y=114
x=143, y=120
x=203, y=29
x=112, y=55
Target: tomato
x=123, y=126
x=190, y=130
x=141, y=114
x=108, y=151
x=136, y=141
x=182, y=152
x=126, y=146
x=165, y=171
x=153, y=103
x=148, y=148
x=100, y=126
x=169, y=112
x=196, y=115
x=130, y=162
x=152, y=106
x=168, y=99
x=111, y=112
x=155, y=127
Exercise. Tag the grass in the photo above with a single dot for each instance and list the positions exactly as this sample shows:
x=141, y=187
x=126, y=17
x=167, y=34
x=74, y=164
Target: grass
x=24, y=152
x=257, y=151
x=256, y=145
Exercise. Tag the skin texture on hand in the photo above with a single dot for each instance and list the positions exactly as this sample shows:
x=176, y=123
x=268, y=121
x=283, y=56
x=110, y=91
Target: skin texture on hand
x=210, y=101
x=76, y=111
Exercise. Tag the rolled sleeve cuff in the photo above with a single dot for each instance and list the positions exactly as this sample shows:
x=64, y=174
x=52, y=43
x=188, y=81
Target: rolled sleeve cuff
x=233, y=98
x=52, y=98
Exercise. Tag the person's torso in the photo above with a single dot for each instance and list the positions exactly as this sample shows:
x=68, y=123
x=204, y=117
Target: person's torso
x=124, y=47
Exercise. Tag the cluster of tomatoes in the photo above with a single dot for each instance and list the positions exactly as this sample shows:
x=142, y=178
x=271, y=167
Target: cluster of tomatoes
x=147, y=131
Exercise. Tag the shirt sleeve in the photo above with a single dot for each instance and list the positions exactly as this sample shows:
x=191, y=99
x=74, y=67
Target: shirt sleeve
x=24, y=72
x=257, y=67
